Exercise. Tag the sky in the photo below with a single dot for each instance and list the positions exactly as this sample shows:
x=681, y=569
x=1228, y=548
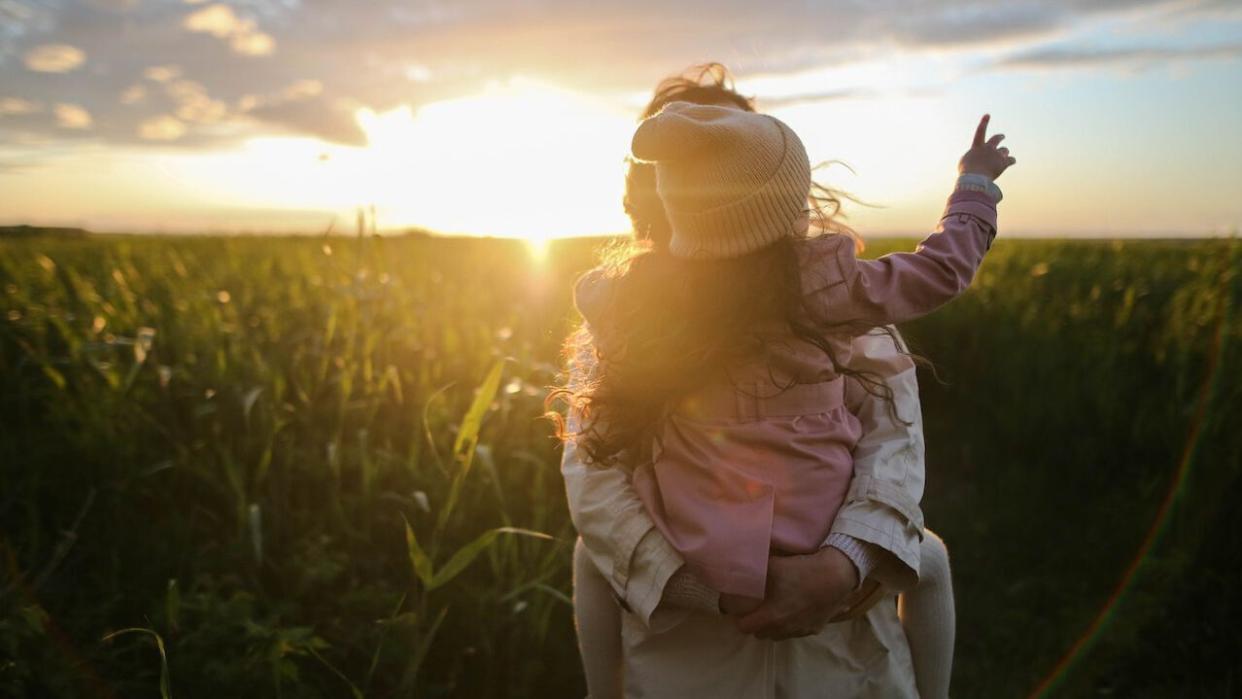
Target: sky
x=513, y=118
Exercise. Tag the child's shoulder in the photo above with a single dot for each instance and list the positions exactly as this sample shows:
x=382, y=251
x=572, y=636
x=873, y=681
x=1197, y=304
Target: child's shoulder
x=824, y=258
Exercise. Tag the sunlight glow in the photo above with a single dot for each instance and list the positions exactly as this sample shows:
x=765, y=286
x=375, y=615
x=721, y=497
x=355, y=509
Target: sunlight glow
x=903, y=149
x=526, y=158
x=538, y=247
x=521, y=159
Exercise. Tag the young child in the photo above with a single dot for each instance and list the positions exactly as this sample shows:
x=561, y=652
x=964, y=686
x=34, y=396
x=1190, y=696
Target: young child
x=722, y=364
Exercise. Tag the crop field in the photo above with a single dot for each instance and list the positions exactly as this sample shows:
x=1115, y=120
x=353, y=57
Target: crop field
x=317, y=467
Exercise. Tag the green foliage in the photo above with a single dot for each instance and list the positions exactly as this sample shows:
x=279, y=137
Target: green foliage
x=165, y=686
x=262, y=420
x=260, y=453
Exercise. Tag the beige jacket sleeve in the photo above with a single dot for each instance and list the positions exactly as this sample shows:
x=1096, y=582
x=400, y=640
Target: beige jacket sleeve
x=619, y=536
x=882, y=505
x=881, y=508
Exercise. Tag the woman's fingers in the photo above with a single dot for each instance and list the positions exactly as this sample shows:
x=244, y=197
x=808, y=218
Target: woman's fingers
x=771, y=623
x=757, y=621
x=995, y=140
x=981, y=130
x=1003, y=151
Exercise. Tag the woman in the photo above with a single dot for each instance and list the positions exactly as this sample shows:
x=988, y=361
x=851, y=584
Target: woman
x=665, y=637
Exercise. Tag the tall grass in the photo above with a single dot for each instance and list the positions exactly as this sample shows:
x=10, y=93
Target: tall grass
x=314, y=467
x=260, y=420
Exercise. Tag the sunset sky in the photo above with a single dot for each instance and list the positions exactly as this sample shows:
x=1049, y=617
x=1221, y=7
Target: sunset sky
x=512, y=118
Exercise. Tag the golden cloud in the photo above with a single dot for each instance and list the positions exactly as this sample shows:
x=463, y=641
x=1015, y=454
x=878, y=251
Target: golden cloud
x=302, y=89
x=253, y=44
x=72, y=116
x=164, y=127
x=193, y=102
x=221, y=22
x=133, y=94
x=161, y=74
x=54, y=58
x=17, y=105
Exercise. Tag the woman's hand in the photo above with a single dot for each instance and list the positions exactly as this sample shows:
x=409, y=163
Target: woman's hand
x=804, y=593
x=737, y=605
x=984, y=157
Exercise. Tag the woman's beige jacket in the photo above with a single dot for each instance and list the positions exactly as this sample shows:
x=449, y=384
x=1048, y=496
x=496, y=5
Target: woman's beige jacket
x=674, y=652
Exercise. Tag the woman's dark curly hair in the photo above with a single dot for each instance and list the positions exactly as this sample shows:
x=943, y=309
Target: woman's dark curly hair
x=674, y=324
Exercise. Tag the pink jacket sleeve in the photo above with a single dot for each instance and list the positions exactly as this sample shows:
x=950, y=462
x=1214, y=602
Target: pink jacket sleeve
x=902, y=286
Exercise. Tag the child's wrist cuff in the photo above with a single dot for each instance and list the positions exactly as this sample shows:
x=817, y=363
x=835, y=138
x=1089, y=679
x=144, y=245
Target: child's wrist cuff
x=975, y=182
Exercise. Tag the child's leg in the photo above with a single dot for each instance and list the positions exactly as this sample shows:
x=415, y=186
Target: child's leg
x=599, y=627
x=930, y=620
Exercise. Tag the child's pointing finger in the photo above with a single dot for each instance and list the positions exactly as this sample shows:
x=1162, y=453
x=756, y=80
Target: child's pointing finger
x=981, y=130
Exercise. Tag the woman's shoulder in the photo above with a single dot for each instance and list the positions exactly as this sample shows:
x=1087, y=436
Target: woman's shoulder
x=592, y=292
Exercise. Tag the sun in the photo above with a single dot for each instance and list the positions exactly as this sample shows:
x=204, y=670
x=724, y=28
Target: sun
x=520, y=159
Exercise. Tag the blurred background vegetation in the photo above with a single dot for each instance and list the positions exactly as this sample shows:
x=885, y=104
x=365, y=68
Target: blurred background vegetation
x=257, y=459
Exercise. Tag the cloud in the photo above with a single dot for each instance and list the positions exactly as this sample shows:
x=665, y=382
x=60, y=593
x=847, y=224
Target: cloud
x=253, y=44
x=54, y=58
x=1134, y=57
x=316, y=116
x=220, y=21
x=769, y=103
x=302, y=89
x=193, y=102
x=72, y=116
x=10, y=166
x=302, y=107
x=418, y=73
x=164, y=127
x=161, y=74
x=187, y=71
x=115, y=5
x=216, y=20
x=133, y=94
x=16, y=105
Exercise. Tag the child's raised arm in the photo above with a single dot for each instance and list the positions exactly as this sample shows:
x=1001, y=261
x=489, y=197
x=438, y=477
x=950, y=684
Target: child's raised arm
x=903, y=286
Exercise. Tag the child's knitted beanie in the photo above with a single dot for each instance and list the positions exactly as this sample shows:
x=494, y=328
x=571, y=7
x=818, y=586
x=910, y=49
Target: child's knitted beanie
x=731, y=181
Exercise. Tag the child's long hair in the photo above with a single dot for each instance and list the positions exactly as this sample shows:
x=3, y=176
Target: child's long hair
x=676, y=324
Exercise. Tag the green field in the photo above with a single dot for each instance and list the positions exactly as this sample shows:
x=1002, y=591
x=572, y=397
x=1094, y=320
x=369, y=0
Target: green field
x=219, y=441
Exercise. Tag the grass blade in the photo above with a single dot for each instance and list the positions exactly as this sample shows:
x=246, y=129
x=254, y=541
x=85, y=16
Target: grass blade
x=468, y=433
x=466, y=554
x=165, y=680
x=418, y=558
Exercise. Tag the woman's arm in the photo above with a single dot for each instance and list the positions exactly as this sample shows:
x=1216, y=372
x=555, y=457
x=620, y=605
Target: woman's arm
x=620, y=538
x=882, y=505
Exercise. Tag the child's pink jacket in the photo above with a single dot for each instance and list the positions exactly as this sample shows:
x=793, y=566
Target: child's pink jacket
x=744, y=470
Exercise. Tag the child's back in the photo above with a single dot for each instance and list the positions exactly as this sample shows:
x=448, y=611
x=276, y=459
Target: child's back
x=757, y=460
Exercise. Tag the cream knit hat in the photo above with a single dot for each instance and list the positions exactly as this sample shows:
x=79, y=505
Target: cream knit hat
x=731, y=181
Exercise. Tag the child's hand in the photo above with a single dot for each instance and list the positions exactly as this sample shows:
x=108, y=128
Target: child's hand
x=984, y=158
x=737, y=605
